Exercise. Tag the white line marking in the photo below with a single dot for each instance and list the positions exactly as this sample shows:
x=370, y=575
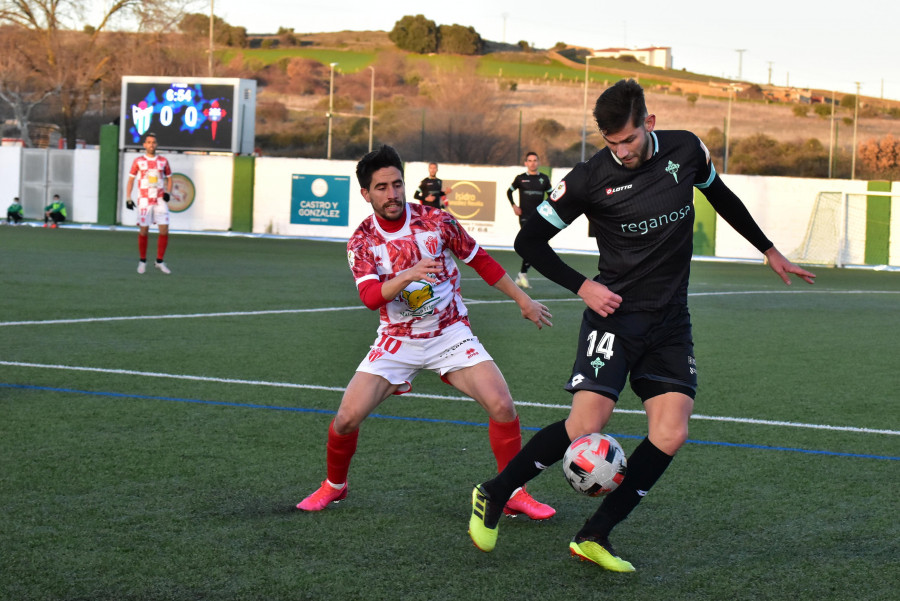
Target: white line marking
x=149, y=374
x=360, y=307
x=178, y=316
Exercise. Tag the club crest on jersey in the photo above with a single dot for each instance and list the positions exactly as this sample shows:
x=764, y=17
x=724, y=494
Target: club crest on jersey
x=351, y=258
x=420, y=298
x=673, y=169
x=558, y=191
x=431, y=244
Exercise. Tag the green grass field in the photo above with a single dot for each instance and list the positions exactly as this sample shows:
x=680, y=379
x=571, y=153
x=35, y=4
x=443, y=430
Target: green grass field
x=157, y=431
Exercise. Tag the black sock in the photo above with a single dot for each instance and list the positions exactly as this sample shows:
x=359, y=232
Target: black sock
x=543, y=450
x=645, y=466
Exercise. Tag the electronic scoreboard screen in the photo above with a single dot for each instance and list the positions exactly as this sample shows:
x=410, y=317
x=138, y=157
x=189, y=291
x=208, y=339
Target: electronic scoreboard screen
x=201, y=114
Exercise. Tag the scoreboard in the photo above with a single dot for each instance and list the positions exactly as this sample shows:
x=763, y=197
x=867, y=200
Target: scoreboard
x=204, y=114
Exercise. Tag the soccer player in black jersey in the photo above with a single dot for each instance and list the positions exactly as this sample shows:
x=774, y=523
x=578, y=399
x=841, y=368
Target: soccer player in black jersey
x=430, y=190
x=638, y=194
x=532, y=186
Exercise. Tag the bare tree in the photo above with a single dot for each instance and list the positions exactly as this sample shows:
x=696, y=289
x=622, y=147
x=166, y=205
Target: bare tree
x=19, y=87
x=71, y=63
x=467, y=122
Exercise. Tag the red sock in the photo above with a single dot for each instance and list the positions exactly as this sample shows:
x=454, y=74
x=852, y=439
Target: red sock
x=506, y=440
x=161, y=242
x=142, y=246
x=339, y=452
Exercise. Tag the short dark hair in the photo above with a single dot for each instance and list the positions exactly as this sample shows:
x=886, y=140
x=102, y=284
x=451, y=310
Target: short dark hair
x=56, y=196
x=386, y=156
x=531, y=152
x=618, y=104
x=149, y=134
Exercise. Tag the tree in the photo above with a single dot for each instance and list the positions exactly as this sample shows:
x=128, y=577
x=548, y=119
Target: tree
x=19, y=88
x=69, y=61
x=197, y=25
x=415, y=34
x=456, y=39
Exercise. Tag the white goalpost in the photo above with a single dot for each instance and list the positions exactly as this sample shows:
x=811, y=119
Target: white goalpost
x=838, y=228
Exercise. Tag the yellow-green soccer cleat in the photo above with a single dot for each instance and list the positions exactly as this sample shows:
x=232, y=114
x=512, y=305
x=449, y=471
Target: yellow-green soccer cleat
x=484, y=523
x=602, y=555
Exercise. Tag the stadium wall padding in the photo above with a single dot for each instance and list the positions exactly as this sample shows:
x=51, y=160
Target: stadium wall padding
x=878, y=224
x=242, y=194
x=107, y=184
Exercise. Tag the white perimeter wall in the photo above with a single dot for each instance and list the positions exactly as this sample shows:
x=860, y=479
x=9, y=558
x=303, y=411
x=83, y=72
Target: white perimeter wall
x=212, y=178
x=10, y=171
x=781, y=205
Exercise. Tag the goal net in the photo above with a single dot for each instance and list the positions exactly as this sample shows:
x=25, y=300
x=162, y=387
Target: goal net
x=852, y=229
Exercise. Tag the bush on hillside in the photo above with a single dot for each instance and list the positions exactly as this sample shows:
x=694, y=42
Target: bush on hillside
x=415, y=34
x=456, y=39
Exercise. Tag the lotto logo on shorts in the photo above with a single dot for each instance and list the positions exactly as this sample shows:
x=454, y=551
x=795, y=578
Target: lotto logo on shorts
x=471, y=353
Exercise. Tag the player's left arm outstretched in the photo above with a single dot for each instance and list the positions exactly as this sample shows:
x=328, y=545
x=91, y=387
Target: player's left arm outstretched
x=782, y=266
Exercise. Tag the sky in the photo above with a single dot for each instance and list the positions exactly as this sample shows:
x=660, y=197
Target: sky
x=784, y=42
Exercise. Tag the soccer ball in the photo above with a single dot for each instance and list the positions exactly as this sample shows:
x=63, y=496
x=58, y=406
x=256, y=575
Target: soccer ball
x=594, y=464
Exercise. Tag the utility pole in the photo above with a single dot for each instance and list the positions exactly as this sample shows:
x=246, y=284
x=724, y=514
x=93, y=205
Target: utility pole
x=740, y=62
x=831, y=139
x=770, y=72
x=855, y=121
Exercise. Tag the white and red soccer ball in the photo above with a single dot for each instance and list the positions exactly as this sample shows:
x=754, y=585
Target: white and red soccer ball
x=594, y=464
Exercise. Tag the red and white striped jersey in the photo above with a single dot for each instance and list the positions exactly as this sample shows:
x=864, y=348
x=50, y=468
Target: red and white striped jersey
x=150, y=174
x=424, y=309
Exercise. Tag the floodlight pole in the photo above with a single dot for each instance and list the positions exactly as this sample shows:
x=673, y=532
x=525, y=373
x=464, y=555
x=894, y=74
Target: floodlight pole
x=587, y=60
x=371, y=106
x=330, y=108
x=855, y=121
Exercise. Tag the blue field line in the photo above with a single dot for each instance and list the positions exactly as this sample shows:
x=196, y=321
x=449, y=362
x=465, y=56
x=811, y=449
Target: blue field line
x=123, y=395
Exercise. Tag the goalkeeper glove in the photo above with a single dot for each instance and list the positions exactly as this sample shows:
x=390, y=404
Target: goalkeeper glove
x=166, y=196
x=129, y=204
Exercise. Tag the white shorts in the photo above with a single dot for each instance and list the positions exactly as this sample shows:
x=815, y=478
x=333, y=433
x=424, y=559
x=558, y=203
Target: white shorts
x=399, y=360
x=149, y=214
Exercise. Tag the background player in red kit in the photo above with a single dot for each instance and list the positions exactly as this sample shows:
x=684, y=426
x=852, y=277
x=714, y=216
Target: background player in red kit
x=154, y=177
x=401, y=260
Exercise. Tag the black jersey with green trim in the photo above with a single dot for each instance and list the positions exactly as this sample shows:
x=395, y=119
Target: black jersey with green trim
x=532, y=189
x=431, y=186
x=643, y=218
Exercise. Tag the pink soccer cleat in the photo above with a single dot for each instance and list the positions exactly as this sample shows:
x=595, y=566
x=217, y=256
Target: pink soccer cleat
x=522, y=502
x=325, y=494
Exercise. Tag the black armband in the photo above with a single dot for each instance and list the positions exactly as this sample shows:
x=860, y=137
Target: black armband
x=729, y=206
x=533, y=245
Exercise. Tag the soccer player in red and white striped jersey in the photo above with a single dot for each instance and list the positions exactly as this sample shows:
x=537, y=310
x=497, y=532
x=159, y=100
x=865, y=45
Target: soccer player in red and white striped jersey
x=154, y=183
x=402, y=261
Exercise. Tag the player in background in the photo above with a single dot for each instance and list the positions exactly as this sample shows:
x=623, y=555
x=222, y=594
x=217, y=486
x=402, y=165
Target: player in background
x=55, y=212
x=401, y=258
x=638, y=194
x=532, y=186
x=14, y=215
x=430, y=191
x=154, y=179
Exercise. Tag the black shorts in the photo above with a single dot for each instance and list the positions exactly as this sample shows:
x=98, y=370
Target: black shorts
x=655, y=347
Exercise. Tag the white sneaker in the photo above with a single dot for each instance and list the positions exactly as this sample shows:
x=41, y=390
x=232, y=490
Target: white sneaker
x=522, y=281
x=162, y=267
x=142, y=266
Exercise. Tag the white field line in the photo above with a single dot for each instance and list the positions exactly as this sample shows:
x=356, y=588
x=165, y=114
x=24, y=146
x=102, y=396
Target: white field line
x=360, y=307
x=148, y=374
